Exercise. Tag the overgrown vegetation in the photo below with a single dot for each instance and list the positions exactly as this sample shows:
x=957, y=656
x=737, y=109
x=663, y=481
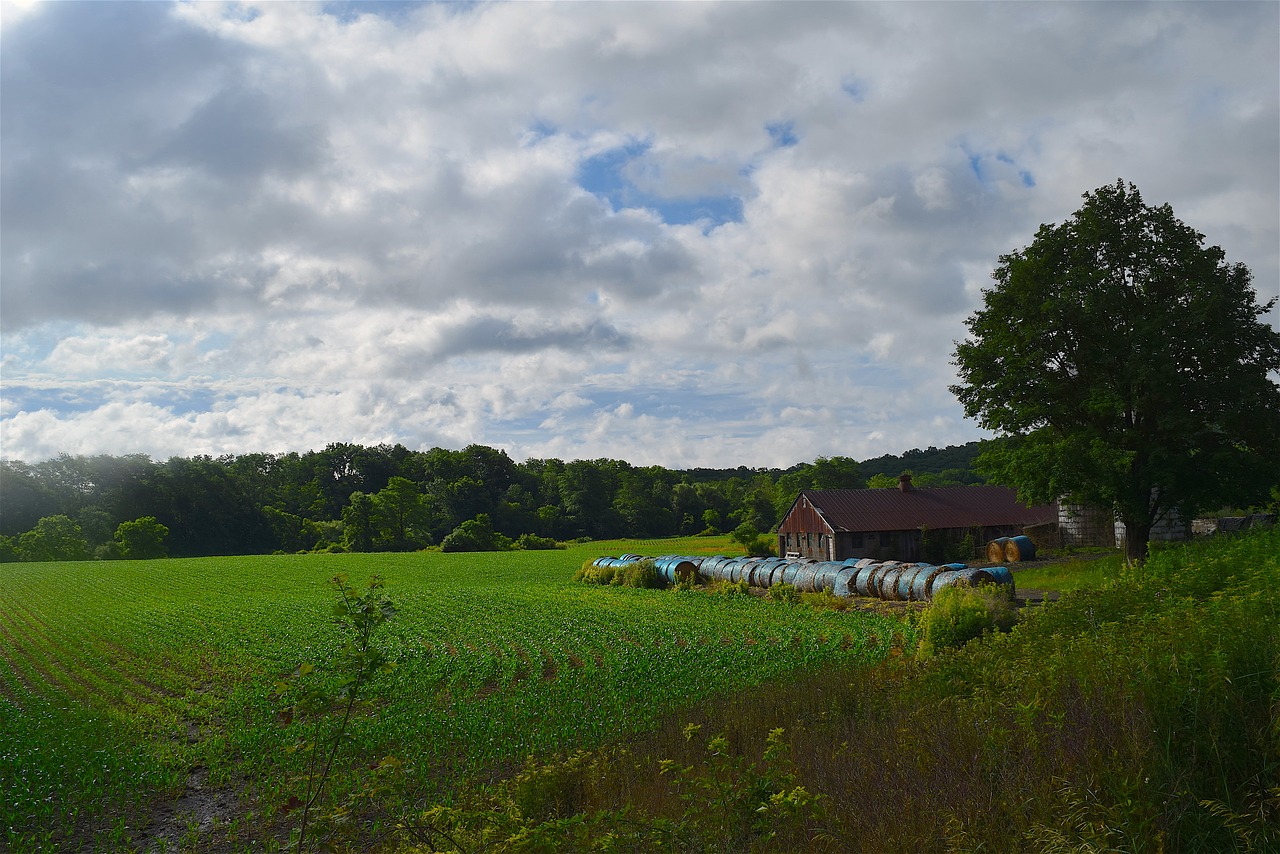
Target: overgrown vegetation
x=959, y=614
x=1139, y=717
x=641, y=574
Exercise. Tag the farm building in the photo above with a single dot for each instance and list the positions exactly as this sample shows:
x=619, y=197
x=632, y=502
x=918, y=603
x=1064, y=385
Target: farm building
x=906, y=523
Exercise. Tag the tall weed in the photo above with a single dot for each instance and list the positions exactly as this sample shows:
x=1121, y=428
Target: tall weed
x=1140, y=716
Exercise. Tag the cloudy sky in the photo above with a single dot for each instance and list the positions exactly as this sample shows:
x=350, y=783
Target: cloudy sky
x=689, y=234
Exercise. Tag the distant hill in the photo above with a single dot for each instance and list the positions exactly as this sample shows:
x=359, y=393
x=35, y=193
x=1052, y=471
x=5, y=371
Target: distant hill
x=951, y=459
x=955, y=461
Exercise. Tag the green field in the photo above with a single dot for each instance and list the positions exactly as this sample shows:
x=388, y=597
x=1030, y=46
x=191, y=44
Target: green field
x=123, y=684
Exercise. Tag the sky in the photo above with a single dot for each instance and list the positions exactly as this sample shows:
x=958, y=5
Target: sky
x=683, y=234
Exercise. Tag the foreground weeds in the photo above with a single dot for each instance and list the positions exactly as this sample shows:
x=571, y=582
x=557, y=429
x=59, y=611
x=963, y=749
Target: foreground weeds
x=1139, y=717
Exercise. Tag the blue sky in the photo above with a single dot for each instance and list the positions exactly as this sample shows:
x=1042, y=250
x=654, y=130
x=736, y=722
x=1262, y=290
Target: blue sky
x=687, y=234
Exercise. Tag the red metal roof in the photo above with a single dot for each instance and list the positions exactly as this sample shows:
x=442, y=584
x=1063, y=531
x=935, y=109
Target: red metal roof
x=894, y=510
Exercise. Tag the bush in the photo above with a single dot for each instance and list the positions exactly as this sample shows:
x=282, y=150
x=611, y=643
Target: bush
x=475, y=535
x=142, y=539
x=589, y=573
x=533, y=542
x=643, y=574
x=748, y=536
x=785, y=593
x=960, y=613
x=732, y=588
x=53, y=538
x=1136, y=716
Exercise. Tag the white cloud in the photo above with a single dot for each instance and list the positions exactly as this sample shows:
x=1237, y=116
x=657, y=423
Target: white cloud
x=244, y=227
x=100, y=354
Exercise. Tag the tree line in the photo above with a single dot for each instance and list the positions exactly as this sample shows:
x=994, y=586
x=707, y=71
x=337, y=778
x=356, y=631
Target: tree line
x=350, y=497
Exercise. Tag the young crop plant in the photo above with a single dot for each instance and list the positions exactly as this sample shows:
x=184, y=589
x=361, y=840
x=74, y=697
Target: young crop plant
x=360, y=615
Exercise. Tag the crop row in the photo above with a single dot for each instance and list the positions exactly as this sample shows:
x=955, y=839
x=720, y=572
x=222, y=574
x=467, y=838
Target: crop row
x=116, y=678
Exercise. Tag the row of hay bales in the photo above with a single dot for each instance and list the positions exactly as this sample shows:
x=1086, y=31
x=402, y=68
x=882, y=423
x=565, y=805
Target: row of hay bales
x=888, y=579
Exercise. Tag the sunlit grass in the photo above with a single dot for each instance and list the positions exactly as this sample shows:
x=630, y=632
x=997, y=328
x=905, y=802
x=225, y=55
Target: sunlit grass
x=1079, y=573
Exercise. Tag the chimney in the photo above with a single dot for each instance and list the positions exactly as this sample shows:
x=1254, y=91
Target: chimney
x=904, y=483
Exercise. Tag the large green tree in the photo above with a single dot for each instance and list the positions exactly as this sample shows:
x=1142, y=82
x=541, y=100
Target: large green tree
x=53, y=538
x=142, y=539
x=401, y=515
x=1129, y=366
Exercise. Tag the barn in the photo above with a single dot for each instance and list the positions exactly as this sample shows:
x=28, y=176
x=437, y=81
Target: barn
x=906, y=523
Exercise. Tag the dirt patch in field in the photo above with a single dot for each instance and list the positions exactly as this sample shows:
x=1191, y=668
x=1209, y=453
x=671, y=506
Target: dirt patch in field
x=192, y=819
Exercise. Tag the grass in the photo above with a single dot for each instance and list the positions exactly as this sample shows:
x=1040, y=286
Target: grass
x=719, y=544
x=1070, y=573
x=121, y=682
x=1139, y=716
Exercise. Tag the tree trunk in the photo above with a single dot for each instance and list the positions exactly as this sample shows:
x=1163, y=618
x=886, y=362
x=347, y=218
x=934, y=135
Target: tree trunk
x=1136, y=538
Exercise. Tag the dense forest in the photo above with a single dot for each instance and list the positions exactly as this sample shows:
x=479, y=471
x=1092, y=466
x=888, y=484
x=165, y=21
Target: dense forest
x=389, y=498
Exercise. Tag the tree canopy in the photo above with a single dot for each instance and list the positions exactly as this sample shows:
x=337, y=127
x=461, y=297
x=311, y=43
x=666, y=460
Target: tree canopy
x=356, y=498
x=141, y=539
x=1129, y=363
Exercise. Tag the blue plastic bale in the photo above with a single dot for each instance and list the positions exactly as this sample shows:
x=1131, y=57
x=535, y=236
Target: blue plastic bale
x=1019, y=548
x=879, y=576
x=801, y=578
x=842, y=584
x=862, y=581
x=824, y=574
x=969, y=577
x=1004, y=577
x=675, y=568
x=888, y=580
x=946, y=579
x=922, y=582
x=906, y=581
x=719, y=566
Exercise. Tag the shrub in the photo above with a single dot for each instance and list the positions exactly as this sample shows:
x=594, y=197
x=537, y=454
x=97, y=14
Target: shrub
x=960, y=613
x=555, y=789
x=642, y=574
x=142, y=539
x=732, y=588
x=533, y=542
x=475, y=535
x=748, y=536
x=785, y=593
x=53, y=538
x=589, y=573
